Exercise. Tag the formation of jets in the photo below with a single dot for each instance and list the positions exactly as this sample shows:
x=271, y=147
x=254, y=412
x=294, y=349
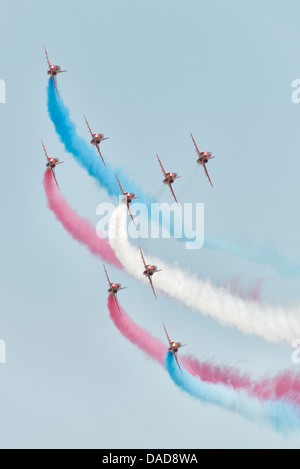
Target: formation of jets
x=128, y=197
x=97, y=138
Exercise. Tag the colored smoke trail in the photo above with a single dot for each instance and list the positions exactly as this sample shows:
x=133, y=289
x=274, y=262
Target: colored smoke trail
x=275, y=324
x=283, y=385
x=282, y=416
x=262, y=255
x=250, y=292
x=79, y=228
x=88, y=158
x=135, y=334
x=271, y=386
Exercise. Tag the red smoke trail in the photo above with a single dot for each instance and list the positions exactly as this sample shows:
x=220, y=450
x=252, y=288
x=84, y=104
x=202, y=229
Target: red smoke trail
x=284, y=385
x=79, y=228
x=136, y=334
x=250, y=292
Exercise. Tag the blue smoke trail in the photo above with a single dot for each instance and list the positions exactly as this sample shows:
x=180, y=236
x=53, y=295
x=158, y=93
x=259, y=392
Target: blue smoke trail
x=259, y=255
x=281, y=416
x=88, y=158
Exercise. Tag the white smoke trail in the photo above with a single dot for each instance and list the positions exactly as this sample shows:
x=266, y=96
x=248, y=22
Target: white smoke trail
x=275, y=324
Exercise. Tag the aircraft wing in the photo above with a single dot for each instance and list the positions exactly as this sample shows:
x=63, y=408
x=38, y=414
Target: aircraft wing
x=117, y=303
x=97, y=146
x=120, y=185
x=175, y=355
x=53, y=78
x=107, y=275
x=171, y=189
x=151, y=283
x=53, y=174
x=45, y=151
x=89, y=127
x=47, y=57
x=196, y=147
x=161, y=165
x=206, y=172
x=167, y=335
x=130, y=213
x=143, y=258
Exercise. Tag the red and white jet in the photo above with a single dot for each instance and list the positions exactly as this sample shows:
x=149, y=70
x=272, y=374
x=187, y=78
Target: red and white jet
x=51, y=163
x=53, y=71
x=128, y=198
x=96, y=139
x=149, y=271
x=204, y=156
x=169, y=178
x=173, y=347
x=113, y=289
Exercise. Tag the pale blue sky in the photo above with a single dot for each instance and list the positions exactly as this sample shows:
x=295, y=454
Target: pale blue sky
x=146, y=74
